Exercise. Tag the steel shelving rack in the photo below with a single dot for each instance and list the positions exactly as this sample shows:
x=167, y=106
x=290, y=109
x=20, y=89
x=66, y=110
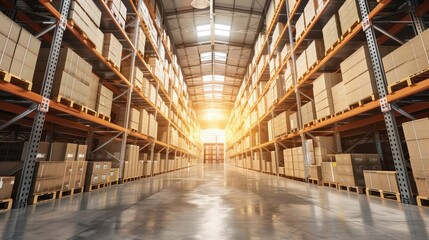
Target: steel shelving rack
x=41, y=109
x=384, y=113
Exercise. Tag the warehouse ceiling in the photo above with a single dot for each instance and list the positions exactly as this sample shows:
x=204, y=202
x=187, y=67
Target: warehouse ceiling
x=214, y=54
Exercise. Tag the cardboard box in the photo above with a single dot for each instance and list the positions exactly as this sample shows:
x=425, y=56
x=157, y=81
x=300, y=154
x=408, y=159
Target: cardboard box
x=315, y=172
x=81, y=152
x=112, y=49
x=300, y=26
x=322, y=91
x=339, y=97
x=6, y=187
x=310, y=11
x=301, y=64
x=331, y=31
x=63, y=151
x=329, y=172
x=348, y=14
x=381, y=180
x=42, y=151
x=315, y=52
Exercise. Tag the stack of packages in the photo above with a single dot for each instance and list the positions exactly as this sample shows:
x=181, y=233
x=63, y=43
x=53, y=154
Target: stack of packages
x=275, y=92
x=322, y=89
x=146, y=164
x=409, y=59
x=288, y=160
x=294, y=162
x=358, y=76
x=138, y=74
x=18, y=51
x=318, y=150
x=331, y=32
x=348, y=15
x=277, y=161
x=157, y=163
x=141, y=38
x=6, y=187
x=74, y=157
x=350, y=168
x=301, y=64
x=86, y=15
x=97, y=173
x=134, y=118
x=315, y=52
x=256, y=161
x=308, y=113
x=104, y=102
x=119, y=11
x=417, y=138
x=339, y=100
x=280, y=125
x=144, y=122
x=114, y=175
x=73, y=78
x=112, y=50
x=381, y=180
x=288, y=75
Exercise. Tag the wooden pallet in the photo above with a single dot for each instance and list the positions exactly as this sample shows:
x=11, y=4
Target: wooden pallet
x=330, y=184
x=111, y=62
x=362, y=102
x=44, y=197
x=15, y=80
x=350, y=29
x=70, y=192
x=311, y=67
x=79, y=30
x=332, y=47
x=422, y=201
x=310, y=124
x=69, y=103
x=355, y=189
x=104, y=117
x=383, y=194
x=315, y=181
x=6, y=204
x=325, y=118
x=408, y=81
x=341, y=112
x=96, y=186
x=113, y=183
x=89, y=111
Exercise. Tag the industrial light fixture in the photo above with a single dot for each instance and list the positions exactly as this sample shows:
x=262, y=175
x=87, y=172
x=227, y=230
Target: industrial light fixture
x=200, y=4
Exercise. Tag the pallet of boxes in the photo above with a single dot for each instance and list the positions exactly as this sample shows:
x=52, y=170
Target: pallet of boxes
x=383, y=184
x=319, y=150
x=417, y=138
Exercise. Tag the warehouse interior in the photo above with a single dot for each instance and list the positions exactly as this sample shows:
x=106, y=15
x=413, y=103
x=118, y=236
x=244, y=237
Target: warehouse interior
x=214, y=119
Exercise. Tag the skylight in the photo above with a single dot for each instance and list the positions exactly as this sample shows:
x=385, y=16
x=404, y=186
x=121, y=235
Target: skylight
x=220, y=30
x=213, y=95
x=213, y=88
x=213, y=78
x=207, y=56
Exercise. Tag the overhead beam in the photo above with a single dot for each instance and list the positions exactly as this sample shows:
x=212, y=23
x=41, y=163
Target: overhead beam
x=216, y=7
x=210, y=63
x=222, y=43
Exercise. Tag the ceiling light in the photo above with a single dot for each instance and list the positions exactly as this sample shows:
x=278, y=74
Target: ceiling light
x=200, y=4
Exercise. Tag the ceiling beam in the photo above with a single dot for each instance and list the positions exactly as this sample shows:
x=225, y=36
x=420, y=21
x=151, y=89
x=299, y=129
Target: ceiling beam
x=223, y=84
x=222, y=8
x=222, y=43
x=210, y=63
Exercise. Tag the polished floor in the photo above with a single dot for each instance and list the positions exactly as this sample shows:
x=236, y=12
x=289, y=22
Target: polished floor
x=217, y=202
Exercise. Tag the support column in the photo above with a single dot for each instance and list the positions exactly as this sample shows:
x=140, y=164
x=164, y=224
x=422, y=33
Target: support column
x=389, y=117
x=42, y=109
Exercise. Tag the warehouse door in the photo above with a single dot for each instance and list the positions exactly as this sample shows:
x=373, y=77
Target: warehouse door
x=213, y=153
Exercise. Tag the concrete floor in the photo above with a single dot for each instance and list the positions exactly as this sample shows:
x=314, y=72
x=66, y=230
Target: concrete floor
x=217, y=202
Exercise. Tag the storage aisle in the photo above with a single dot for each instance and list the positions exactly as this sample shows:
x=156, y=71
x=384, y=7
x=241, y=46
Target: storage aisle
x=217, y=202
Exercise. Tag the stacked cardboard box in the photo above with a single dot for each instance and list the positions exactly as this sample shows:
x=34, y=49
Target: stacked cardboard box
x=310, y=11
x=277, y=32
x=93, y=85
x=153, y=126
x=114, y=175
x=308, y=112
x=275, y=92
x=350, y=167
x=112, y=49
x=322, y=148
x=104, y=101
x=63, y=151
x=409, y=59
x=119, y=11
x=301, y=65
x=322, y=89
x=417, y=138
x=48, y=177
x=74, y=175
x=339, y=99
x=315, y=172
x=131, y=162
x=348, y=15
x=288, y=160
x=300, y=26
x=97, y=173
x=331, y=31
x=144, y=122
x=298, y=162
x=72, y=77
x=288, y=76
x=86, y=15
x=381, y=180
x=358, y=76
x=329, y=172
x=19, y=49
x=277, y=161
x=315, y=52
x=6, y=187
x=137, y=74
x=134, y=118
x=42, y=152
x=293, y=119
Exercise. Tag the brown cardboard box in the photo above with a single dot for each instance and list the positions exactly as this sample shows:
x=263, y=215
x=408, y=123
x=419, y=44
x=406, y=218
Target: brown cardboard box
x=114, y=175
x=48, y=177
x=315, y=52
x=301, y=64
x=329, y=172
x=422, y=186
x=418, y=148
x=315, y=172
x=104, y=100
x=348, y=14
x=322, y=91
x=416, y=129
x=6, y=187
x=79, y=174
x=81, y=152
x=42, y=151
x=63, y=151
x=300, y=27
x=339, y=97
x=331, y=31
